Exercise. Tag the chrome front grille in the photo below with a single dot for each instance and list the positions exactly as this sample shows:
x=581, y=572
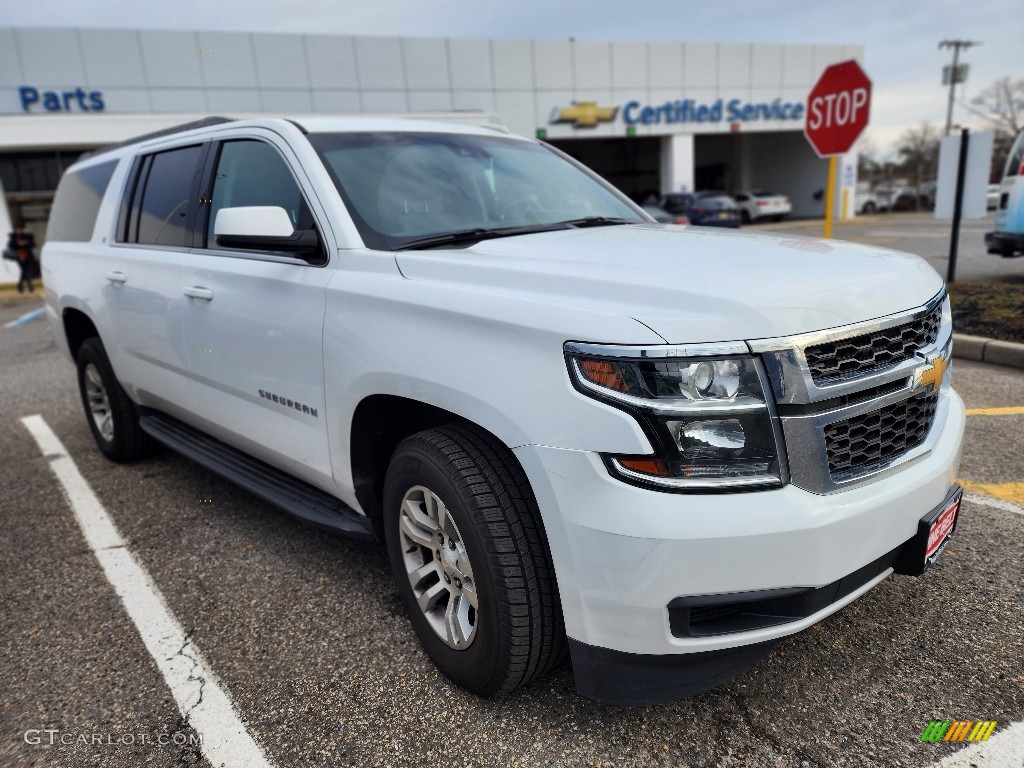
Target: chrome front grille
x=856, y=403
x=871, y=351
x=859, y=443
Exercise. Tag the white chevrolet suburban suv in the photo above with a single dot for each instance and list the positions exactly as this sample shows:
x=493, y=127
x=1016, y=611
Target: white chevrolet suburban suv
x=656, y=449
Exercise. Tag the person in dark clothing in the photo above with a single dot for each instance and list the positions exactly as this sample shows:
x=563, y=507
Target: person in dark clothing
x=21, y=246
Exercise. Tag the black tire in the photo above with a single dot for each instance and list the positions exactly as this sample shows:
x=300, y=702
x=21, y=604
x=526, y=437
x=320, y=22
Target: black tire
x=519, y=631
x=128, y=442
x=868, y=208
x=744, y=216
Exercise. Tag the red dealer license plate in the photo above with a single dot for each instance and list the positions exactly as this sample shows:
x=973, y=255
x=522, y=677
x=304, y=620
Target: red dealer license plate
x=933, y=533
x=941, y=530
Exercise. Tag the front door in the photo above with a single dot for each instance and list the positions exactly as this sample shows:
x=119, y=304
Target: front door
x=254, y=319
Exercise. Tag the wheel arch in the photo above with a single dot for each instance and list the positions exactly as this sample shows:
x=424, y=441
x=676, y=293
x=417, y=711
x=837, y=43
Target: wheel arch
x=78, y=327
x=379, y=423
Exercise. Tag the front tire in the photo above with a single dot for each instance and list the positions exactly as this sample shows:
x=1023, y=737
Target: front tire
x=112, y=417
x=470, y=559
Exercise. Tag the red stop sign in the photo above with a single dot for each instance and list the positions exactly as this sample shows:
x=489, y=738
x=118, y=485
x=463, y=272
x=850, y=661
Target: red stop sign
x=837, y=108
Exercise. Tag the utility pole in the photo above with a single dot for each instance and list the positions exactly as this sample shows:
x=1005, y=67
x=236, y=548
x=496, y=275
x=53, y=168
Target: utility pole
x=956, y=45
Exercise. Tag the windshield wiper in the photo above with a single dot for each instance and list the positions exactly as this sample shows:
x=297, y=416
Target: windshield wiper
x=474, y=235
x=597, y=221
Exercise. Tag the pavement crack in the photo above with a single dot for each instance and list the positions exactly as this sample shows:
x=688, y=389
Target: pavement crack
x=201, y=679
x=758, y=726
x=185, y=651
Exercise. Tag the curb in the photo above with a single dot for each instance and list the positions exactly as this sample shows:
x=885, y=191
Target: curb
x=984, y=350
x=9, y=294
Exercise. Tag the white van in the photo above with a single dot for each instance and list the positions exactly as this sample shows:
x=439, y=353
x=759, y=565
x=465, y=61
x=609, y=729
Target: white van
x=1008, y=238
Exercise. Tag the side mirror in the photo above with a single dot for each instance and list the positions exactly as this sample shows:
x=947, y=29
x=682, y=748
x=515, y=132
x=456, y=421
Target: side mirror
x=263, y=228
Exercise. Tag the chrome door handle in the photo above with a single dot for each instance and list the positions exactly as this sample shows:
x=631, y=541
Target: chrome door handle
x=116, y=277
x=197, y=292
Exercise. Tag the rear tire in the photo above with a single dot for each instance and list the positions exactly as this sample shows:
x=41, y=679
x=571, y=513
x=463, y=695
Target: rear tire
x=470, y=559
x=110, y=413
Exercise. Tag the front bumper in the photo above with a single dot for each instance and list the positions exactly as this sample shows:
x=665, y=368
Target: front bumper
x=622, y=554
x=1004, y=243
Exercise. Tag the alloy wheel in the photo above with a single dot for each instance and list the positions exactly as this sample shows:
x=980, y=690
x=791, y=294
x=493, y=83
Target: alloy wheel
x=438, y=567
x=99, y=403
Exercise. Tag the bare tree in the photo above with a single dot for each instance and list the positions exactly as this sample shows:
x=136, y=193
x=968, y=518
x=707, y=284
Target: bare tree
x=1002, y=105
x=867, y=158
x=918, y=149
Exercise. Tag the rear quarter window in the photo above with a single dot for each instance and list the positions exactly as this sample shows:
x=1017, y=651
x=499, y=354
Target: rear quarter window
x=77, y=202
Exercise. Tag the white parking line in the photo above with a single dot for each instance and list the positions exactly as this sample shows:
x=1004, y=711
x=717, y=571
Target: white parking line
x=988, y=501
x=202, y=701
x=26, y=318
x=1004, y=750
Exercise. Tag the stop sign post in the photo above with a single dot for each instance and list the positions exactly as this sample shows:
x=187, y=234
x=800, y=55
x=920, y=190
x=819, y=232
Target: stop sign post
x=837, y=113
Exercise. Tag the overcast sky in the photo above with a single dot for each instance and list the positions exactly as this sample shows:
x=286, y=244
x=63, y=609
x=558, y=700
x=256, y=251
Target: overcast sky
x=900, y=37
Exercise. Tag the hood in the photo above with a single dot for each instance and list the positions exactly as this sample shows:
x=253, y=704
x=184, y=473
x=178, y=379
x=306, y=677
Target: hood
x=689, y=284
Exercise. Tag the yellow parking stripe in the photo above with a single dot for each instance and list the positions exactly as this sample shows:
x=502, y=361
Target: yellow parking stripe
x=1013, y=410
x=1007, y=491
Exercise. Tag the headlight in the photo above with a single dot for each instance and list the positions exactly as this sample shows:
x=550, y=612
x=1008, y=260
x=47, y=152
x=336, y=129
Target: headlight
x=710, y=419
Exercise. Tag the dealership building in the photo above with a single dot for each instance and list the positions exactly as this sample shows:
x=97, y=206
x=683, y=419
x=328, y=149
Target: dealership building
x=648, y=116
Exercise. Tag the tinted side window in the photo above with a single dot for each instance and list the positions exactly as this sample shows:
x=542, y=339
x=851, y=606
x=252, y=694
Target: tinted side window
x=1015, y=163
x=77, y=202
x=251, y=172
x=163, y=208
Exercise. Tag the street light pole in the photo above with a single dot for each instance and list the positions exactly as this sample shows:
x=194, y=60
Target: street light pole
x=956, y=45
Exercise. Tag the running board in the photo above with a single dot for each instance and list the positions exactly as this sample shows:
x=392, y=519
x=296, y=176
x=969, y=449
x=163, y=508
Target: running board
x=294, y=496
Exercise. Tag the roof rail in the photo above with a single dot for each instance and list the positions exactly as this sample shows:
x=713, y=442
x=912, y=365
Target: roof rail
x=204, y=123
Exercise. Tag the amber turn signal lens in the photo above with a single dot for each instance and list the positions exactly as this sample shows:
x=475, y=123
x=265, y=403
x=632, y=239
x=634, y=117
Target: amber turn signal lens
x=603, y=374
x=654, y=467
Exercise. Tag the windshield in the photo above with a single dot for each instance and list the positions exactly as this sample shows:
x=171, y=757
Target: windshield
x=403, y=187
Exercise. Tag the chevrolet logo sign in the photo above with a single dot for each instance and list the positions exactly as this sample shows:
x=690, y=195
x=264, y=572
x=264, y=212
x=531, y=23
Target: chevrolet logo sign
x=931, y=377
x=585, y=114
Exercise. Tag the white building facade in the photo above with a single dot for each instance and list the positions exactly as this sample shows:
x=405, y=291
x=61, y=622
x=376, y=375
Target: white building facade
x=649, y=116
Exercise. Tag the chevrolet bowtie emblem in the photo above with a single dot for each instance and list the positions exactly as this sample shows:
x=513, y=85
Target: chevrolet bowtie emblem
x=932, y=376
x=585, y=114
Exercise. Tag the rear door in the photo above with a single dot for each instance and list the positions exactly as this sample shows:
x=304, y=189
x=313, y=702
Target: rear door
x=142, y=275
x=254, y=319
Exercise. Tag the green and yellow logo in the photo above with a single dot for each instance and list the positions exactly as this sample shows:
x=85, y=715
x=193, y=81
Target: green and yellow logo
x=958, y=730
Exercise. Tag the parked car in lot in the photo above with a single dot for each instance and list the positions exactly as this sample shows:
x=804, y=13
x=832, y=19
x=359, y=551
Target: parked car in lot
x=992, y=197
x=926, y=195
x=657, y=450
x=705, y=209
x=762, y=204
x=866, y=203
x=896, y=199
x=663, y=216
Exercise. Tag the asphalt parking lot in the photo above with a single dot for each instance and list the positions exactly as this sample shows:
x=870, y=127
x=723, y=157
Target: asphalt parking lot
x=922, y=234
x=307, y=634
